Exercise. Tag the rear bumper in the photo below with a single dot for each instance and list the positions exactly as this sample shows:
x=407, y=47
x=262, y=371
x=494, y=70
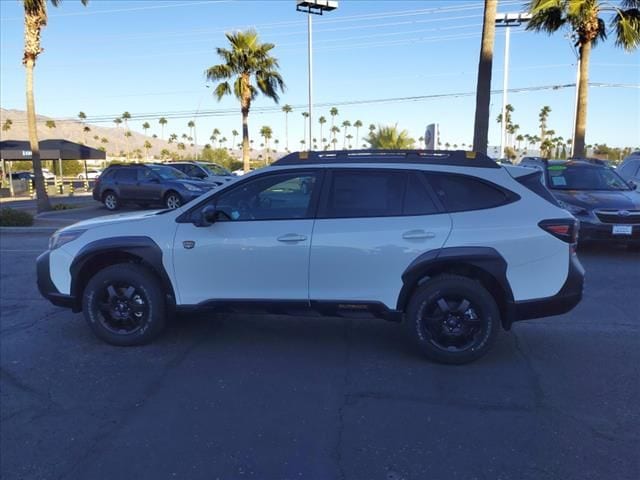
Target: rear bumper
x=603, y=232
x=46, y=287
x=564, y=301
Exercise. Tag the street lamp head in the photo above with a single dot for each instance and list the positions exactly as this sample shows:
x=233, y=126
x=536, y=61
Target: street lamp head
x=512, y=19
x=317, y=7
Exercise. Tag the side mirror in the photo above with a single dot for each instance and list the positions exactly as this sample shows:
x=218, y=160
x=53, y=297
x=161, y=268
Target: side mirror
x=632, y=185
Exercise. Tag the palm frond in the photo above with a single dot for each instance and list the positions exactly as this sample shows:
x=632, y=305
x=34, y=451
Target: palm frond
x=218, y=72
x=221, y=90
x=626, y=24
x=546, y=15
x=602, y=33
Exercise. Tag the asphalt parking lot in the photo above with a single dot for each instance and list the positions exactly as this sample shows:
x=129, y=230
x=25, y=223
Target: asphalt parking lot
x=292, y=398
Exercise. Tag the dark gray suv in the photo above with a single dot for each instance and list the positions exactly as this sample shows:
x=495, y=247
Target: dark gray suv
x=146, y=184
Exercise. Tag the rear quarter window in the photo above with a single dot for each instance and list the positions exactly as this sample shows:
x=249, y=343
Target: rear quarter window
x=460, y=193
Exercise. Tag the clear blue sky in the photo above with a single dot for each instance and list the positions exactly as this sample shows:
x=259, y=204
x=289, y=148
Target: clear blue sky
x=149, y=56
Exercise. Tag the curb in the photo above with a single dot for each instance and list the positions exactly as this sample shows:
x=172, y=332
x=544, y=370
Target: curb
x=28, y=229
x=54, y=213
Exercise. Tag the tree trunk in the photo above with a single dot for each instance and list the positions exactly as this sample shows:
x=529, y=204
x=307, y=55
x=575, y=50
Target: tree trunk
x=246, y=165
x=483, y=89
x=286, y=130
x=43, y=203
x=581, y=113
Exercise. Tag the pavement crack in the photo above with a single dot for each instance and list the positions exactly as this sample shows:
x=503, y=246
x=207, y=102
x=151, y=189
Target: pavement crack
x=22, y=327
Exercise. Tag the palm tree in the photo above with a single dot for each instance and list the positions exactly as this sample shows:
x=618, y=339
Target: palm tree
x=162, y=122
x=35, y=19
x=543, y=116
x=389, y=138
x=266, y=133
x=519, y=139
x=276, y=142
x=349, y=137
x=50, y=124
x=126, y=116
x=357, y=124
x=147, y=146
x=346, y=124
x=321, y=121
x=82, y=116
x=173, y=137
x=234, y=134
x=334, y=130
x=483, y=89
x=582, y=18
x=447, y=145
x=333, y=112
x=127, y=134
x=287, y=109
x=145, y=127
x=215, y=135
x=324, y=142
x=305, y=115
x=247, y=58
x=85, y=130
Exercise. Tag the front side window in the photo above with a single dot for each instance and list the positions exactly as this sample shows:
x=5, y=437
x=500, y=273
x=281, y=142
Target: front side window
x=126, y=175
x=459, y=193
x=216, y=169
x=145, y=175
x=269, y=197
x=573, y=177
x=167, y=173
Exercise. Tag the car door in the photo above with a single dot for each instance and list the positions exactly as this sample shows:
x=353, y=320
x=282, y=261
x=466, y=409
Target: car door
x=257, y=249
x=125, y=180
x=148, y=185
x=371, y=224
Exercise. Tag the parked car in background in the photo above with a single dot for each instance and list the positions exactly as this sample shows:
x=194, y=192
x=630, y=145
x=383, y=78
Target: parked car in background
x=629, y=169
x=90, y=174
x=209, y=172
x=146, y=184
x=29, y=175
x=606, y=205
x=451, y=243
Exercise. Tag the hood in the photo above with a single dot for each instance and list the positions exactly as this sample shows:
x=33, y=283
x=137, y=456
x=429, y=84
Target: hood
x=597, y=199
x=112, y=219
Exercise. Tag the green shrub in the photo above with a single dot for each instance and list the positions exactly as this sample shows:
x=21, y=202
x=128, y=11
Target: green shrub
x=10, y=217
x=63, y=206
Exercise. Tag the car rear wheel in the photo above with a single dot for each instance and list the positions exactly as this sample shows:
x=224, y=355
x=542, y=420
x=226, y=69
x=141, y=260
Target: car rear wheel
x=110, y=200
x=453, y=319
x=173, y=200
x=124, y=305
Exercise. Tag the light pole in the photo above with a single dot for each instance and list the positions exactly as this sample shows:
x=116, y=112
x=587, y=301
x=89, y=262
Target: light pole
x=507, y=20
x=313, y=7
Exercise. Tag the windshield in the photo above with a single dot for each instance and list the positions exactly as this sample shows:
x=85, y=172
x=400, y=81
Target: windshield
x=573, y=177
x=167, y=173
x=216, y=169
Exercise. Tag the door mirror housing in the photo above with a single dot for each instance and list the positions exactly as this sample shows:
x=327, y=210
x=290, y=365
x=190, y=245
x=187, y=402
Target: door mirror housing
x=208, y=216
x=632, y=185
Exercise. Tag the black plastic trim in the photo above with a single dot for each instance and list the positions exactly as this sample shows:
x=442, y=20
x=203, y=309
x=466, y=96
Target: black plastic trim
x=45, y=285
x=141, y=247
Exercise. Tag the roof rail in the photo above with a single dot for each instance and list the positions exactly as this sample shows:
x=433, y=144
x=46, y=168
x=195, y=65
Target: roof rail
x=459, y=158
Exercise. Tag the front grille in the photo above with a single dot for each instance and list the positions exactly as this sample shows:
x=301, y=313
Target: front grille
x=628, y=217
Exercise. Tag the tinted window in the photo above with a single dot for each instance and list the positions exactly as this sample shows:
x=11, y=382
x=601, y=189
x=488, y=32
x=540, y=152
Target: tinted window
x=579, y=177
x=107, y=174
x=179, y=166
x=459, y=193
x=126, y=174
x=167, y=173
x=272, y=197
x=417, y=200
x=629, y=169
x=216, y=169
x=533, y=181
x=144, y=174
x=365, y=193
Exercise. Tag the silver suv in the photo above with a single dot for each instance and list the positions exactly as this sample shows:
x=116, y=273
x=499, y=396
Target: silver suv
x=209, y=172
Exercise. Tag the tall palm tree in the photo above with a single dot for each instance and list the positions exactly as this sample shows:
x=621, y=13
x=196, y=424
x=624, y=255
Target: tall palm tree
x=321, y=121
x=147, y=146
x=519, y=139
x=248, y=59
x=334, y=130
x=215, y=135
x=35, y=19
x=582, y=17
x=234, y=134
x=483, y=88
x=333, y=112
x=266, y=133
x=126, y=116
x=349, y=137
x=305, y=115
x=345, y=125
x=127, y=134
x=163, y=121
x=389, y=138
x=543, y=116
x=287, y=109
x=82, y=116
x=146, y=127
x=357, y=124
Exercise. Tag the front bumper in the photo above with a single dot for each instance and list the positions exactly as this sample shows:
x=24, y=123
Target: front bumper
x=593, y=231
x=46, y=287
x=565, y=300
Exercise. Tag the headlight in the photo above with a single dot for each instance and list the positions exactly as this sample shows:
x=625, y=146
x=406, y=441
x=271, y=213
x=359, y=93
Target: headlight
x=192, y=188
x=60, y=238
x=573, y=209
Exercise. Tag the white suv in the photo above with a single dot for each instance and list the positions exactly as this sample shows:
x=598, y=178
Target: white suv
x=449, y=242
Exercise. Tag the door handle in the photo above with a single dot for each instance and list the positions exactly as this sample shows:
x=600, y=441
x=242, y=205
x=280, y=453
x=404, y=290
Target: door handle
x=418, y=235
x=292, y=237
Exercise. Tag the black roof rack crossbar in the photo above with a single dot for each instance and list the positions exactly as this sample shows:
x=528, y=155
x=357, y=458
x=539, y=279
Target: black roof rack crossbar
x=459, y=158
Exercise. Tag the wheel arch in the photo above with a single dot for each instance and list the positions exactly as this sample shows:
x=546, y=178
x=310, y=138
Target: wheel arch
x=102, y=253
x=483, y=264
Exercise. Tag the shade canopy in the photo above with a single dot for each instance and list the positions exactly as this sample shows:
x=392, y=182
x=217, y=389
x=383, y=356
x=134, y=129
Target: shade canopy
x=49, y=150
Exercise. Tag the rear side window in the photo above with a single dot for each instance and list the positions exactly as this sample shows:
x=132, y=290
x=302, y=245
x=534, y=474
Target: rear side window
x=417, y=200
x=533, y=181
x=629, y=169
x=365, y=193
x=126, y=174
x=107, y=174
x=459, y=193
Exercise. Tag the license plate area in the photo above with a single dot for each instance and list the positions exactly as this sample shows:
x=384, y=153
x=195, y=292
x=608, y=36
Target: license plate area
x=622, y=230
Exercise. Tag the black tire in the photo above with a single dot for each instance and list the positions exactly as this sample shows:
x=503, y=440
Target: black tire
x=453, y=332
x=172, y=200
x=143, y=316
x=111, y=200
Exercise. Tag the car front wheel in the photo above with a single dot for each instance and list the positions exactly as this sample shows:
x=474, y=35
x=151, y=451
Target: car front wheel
x=453, y=319
x=124, y=305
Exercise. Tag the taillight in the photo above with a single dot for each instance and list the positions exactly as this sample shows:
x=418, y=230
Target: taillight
x=566, y=229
